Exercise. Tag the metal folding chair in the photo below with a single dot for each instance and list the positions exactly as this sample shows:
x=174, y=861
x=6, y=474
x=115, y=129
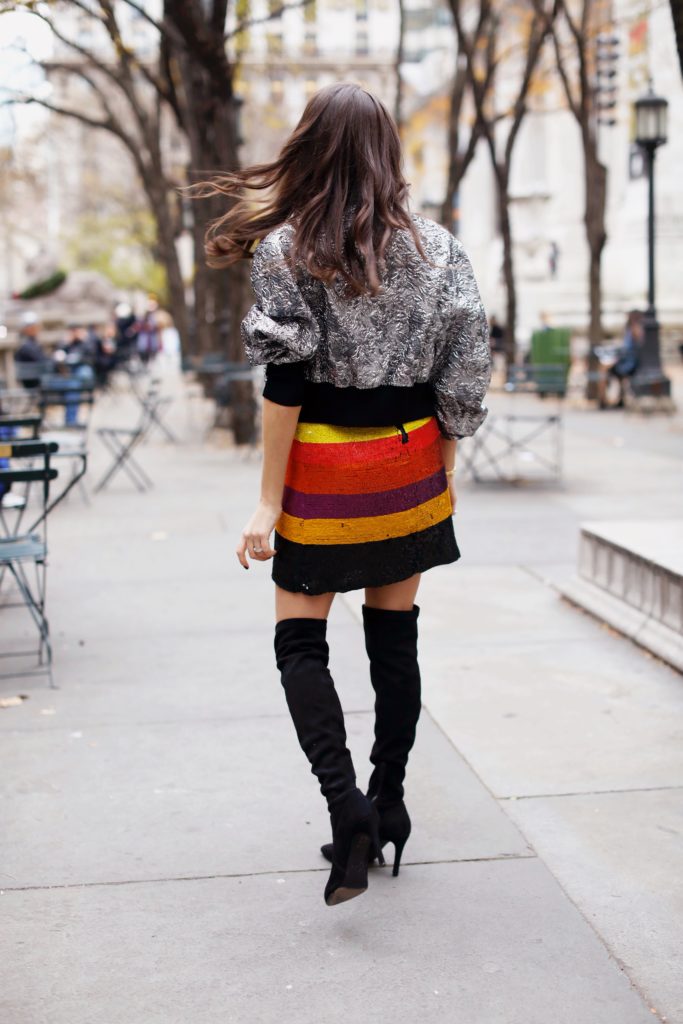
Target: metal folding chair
x=31, y=424
x=23, y=553
x=121, y=442
x=13, y=428
x=152, y=402
x=77, y=399
x=533, y=438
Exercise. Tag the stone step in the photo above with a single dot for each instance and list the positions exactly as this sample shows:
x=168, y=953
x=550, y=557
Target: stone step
x=630, y=575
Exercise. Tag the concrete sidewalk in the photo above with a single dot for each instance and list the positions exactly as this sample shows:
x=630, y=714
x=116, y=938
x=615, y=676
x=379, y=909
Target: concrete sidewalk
x=160, y=832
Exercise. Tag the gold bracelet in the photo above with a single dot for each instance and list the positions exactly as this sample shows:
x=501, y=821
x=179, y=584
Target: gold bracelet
x=450, y=472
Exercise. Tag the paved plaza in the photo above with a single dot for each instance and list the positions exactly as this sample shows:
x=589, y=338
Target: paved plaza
x=160, y=829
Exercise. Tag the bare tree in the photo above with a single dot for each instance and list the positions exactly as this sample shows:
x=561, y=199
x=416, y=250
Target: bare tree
x=459, y=159
x=500, y=112
x=574, y=41
x=125, y=103
x=191, y=77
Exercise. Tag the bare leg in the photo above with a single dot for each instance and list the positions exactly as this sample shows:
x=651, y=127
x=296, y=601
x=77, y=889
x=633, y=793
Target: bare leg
x=301, y=606
x=396, y=597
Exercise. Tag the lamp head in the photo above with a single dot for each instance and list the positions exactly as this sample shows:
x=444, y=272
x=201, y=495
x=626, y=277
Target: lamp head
x=651, y=120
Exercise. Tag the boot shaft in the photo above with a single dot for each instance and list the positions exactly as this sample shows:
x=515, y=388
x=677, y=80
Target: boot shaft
x=302, y=656
x=391, y=644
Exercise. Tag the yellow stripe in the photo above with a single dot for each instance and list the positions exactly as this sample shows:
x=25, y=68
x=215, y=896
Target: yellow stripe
x=324, y=433
x=366, y=528
x=5, y=451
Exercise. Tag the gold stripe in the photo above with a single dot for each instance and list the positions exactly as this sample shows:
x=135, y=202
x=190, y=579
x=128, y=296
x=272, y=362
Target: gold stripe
x=366, y=528
x=324, y=433
x=5, y=451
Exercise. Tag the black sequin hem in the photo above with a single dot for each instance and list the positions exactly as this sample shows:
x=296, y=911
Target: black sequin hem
x=338, y=568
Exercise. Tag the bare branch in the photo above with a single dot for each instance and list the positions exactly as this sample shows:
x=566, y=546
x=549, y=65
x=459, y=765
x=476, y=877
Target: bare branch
x=277, y=12
x=86, y=76
x=77, y=115
x=539, y=33
x=564, y=78
x=126, y=62
x=87, y=55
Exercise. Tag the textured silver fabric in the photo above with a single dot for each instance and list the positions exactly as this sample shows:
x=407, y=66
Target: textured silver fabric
x=427, y=324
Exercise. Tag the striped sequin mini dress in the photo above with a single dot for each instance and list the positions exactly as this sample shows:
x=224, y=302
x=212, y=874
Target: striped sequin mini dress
x=363, y=507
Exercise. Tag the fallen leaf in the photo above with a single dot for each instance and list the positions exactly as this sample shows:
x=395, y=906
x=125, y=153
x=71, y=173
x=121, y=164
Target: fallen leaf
x=12, y=702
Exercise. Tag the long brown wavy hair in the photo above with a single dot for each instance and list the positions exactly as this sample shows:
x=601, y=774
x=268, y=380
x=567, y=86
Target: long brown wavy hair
x=343, y=157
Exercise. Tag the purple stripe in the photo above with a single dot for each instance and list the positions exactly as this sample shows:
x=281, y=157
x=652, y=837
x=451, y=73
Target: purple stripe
x=354, y=506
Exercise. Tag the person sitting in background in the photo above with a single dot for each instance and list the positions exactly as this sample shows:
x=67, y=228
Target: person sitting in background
x=104, y=355
x=73, y=363
x=76, y=348
x=148, y=337
x=627, y=359
x=126, y=332
x=30, y=350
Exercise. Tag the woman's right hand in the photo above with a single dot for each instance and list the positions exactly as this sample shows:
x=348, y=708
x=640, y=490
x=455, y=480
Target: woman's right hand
x=255, y=539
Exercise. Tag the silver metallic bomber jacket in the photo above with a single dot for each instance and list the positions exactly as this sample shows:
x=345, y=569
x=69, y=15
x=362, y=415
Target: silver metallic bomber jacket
x=427, y=324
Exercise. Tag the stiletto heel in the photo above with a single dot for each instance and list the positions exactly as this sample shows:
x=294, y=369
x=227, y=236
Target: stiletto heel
x=355, y=837
x=376, y=852
x=398, y=850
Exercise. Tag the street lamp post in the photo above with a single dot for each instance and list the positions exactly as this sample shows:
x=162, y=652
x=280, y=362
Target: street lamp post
x=651, y=125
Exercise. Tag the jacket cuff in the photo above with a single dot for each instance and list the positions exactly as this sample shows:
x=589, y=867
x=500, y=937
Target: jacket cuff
x=285, y=383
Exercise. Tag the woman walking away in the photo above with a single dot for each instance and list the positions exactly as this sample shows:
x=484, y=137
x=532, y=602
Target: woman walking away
x=377, y=360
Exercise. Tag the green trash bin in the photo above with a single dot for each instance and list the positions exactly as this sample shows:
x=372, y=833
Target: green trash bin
x=550, y=357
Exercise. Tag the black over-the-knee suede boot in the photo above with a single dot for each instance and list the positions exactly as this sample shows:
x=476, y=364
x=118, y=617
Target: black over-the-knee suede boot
x=302, y=657
x=391, y=644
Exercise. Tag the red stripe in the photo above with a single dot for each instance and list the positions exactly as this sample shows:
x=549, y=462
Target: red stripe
x=358, y=479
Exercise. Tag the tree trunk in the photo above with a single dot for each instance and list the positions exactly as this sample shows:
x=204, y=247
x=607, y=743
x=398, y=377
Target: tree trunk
x=502, y=176
x=595, y=179
x=158, y=197
x=456, y=168
x=398, y=101
x=210, y=118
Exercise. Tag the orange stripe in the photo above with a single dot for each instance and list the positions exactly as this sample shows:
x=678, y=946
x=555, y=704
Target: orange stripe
x=367, y=528
x=356, y=479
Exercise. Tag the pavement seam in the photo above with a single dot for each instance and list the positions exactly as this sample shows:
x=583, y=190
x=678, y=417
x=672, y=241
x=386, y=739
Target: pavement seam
x=266, y=716
x=252, y=874
x=588, y=792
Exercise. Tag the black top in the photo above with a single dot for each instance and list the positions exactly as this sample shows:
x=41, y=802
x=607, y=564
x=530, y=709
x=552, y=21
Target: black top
x=348, y=407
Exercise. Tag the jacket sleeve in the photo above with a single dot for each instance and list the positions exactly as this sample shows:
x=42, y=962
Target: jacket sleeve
x=462, y=368
x=280, y=326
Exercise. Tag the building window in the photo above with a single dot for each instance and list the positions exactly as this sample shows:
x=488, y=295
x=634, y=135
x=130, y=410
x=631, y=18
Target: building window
x=277, y=88
x=362, y=42
x=274, y=44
